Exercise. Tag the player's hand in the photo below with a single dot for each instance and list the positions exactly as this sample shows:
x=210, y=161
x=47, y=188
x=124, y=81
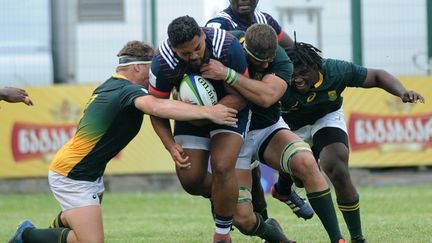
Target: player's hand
x=178, y=156
x=222, y=115
x=14, y=95
x=214, y=70
x=410, y=96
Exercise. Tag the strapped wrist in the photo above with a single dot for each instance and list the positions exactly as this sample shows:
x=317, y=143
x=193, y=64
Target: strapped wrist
x=232, y=77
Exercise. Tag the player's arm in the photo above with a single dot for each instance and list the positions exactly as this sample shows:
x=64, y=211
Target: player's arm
x=384, y=80
x=263, y=93
x=14, y=95
x=234, y=99
x=285, y=40
x=181, y=111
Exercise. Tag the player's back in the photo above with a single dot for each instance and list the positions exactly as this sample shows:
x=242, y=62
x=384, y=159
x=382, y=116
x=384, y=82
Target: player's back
x=110, y=121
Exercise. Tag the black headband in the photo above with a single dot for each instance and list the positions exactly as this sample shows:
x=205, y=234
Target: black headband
x=128, y=60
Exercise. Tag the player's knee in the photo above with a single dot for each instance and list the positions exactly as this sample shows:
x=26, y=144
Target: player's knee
x=222, y=170
x=338, y=174
x=294, y=156
x=303, y=165
x=193, y=186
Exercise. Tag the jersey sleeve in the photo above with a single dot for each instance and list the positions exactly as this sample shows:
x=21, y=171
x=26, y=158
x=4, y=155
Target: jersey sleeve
x=282, y=66
x=352, y=75
x=236, y=58
x=273, y=23
x=159, y=84
x=130, y=92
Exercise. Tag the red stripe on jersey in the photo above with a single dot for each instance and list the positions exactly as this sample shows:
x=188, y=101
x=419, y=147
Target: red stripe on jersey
x=246, y=73
x=279, y=36
x=159, y=93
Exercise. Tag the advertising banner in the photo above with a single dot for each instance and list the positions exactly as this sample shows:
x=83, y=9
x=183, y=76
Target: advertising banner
x=384, y=131
x=30, y=136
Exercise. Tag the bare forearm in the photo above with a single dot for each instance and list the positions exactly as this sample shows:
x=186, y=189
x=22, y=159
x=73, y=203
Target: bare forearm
x=162, y=127
x=384, y=80
x=180, y=111
x=261, y=92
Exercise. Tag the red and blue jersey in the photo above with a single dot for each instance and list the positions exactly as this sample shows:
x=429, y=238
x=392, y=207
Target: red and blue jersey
x=167, y=68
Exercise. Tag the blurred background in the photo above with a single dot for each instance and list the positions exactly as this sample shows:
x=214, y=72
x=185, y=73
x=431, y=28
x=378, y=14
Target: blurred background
x=59, y=51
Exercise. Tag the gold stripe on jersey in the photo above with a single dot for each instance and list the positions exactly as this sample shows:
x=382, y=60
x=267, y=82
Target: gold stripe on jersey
x=71, y=154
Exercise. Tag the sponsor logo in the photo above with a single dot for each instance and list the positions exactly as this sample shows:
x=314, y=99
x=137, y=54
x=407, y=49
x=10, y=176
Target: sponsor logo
x=215, y=25
x=311, y=97
x=332, y=95
x=32, y=141
x=390, y=133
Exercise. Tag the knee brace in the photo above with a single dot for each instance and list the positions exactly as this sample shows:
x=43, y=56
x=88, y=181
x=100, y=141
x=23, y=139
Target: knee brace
x=244, y=195
x=290, y=151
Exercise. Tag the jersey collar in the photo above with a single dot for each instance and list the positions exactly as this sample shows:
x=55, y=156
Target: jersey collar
x=119, y=76
x=320, y=81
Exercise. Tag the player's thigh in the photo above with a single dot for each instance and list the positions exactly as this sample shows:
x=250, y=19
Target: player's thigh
x=277, y=144
x=86, y=223
x=199, y=165
x=225, y=148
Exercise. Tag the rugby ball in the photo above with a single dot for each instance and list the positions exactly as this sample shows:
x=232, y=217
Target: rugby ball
x=197, y=90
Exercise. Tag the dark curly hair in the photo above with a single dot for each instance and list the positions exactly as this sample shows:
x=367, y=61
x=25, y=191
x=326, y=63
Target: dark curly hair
x=303, y=54
x=182, y=30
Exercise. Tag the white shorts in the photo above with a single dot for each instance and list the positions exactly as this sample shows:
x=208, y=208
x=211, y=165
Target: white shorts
x=72, y=193
x=332, y=119
x=253, y=142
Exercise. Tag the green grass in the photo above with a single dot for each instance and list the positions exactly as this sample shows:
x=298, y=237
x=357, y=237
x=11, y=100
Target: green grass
x=389, y=214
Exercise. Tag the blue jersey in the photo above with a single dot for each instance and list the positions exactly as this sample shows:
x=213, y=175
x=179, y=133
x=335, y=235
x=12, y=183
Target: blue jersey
x=228, y=20
x=167, y=68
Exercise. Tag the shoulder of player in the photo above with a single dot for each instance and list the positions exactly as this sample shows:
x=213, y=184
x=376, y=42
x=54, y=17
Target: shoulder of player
x=263, y=17
x=218, y=39
x=166, y=56
x=224, y=20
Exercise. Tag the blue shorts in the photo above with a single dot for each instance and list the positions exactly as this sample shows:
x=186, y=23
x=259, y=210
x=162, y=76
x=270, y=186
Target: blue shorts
x=198, y=137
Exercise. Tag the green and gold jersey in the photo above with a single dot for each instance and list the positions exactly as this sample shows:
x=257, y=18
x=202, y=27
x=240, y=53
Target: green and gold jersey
x=299, y=110
x=110, y=121
x=281, y=67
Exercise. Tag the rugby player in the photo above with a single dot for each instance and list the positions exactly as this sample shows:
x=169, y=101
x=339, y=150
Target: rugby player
x=186, y=49
x=239, y=15
x=111, y=119
x=269, y=140
x=312, y=107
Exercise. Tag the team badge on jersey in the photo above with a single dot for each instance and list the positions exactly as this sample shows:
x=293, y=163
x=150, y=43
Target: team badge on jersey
x=332, y=95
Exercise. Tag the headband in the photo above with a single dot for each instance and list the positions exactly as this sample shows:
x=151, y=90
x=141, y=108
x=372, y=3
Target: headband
x=128, y=60
x=270, y=59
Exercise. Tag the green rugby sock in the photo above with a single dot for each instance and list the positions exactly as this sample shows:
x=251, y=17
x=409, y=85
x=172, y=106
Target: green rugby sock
x=266, y=231
x=57, y=235
x=322, y=204
x=351, y=213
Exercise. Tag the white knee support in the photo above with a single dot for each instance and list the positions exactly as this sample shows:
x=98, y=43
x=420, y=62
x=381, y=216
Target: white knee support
x=290, y=151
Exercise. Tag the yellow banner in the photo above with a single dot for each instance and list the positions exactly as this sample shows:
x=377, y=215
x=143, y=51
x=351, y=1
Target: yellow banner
x=384, y=131
x=30, y=136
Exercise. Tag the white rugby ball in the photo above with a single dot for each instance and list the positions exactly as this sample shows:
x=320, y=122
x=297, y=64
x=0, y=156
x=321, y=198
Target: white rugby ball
x=197, y=90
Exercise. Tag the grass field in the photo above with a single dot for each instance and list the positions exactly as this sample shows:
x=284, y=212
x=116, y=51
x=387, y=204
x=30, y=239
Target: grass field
x=389, y=214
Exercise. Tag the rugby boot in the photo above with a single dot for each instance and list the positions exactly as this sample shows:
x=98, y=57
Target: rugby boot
x=17, y=238
x=300, y=208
